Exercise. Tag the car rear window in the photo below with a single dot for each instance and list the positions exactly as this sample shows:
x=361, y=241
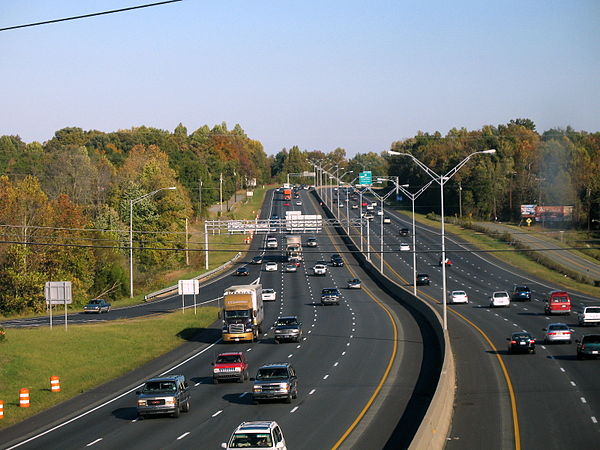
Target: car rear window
x=593, y=339
x=558, y=328
x=561, y=299
x=593, y=310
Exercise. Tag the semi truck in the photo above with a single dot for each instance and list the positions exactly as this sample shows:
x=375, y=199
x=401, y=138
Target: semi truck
x=243, y=313
x=287, y=194
x=293, y=248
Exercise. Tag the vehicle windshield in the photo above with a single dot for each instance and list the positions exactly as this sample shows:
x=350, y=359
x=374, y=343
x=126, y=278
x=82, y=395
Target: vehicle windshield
x=160, y=386
x=238, y=314
x=272, y=373
x=251, y=440
x=287, y=321
x=228, y=359
x=329, y=291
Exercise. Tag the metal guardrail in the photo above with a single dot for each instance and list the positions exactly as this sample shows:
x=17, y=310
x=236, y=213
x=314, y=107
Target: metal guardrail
x=199, y=277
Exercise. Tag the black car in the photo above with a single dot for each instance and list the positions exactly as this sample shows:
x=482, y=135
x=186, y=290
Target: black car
x=257, y=260
x=330, y=296
x=423, y=279
x=242, y=272
x=287, y=328
x=520, y=292
x=337, y=261
x=404, y=232
x=521, y=342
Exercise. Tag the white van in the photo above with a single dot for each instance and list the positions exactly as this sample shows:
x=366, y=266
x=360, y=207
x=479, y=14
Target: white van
x=257, y=435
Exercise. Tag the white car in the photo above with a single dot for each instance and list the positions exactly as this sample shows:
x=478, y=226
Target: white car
x=264, y=434
x=272, y=243
x=379, y=212
x=404, y=247
x=370, y=207
x=458, y=297
x=354, y=206
x=387, y=220
x=269, y=295
x=320, y=269
x=271, y=266
x=557, y=332
x=299, y=203
x=499, y=298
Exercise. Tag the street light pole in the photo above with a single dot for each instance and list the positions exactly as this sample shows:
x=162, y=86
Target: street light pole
x=221, y=191
x=131, y=203
x=441, y=180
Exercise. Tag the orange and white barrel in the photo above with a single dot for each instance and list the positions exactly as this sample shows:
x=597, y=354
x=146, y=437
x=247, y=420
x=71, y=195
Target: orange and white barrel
x=54, y=384
x=1, y=409
x=24, y=398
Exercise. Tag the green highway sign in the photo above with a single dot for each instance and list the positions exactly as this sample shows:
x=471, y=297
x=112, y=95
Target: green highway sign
x=365, y=178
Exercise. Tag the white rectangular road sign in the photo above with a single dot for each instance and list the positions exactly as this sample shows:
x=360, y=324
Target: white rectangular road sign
x=189, y=287
x=58, y=292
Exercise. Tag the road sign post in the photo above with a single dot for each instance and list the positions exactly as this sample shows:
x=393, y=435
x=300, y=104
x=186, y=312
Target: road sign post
x=188, y=287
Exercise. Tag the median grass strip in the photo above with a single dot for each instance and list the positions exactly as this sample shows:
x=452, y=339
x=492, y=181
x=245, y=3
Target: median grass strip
x=84, y=356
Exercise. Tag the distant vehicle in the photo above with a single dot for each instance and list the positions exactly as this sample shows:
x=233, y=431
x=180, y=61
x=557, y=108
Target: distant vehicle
x=459, y=297
x=330, y=296
x=287, y=194
x=272, y=242
x=499, y=298
x=364, y=204
x=264, y=434
x=354, y=206
x=257, y=260
x=271, y=266
x=404, y=231
x=311, y=242
x=230, y=366
x=164, y=395
x=342, y=204
x=269, y=295
x=379, y=212
x=373, y=203
x=520, y=292
x=286, y=204
x=274, y=217
x=291, y=267
x=557, y=332
x=367, y=216
x=320, y=269
x=404, y=247
x=242, y=272
x=287, y=328
x=337, y=261
x=588, y=345
x=97, y=305
x=589, y=315
x=370, y=207
x=446, y=261
x=387, y=220
x=521, y=342
x=299, y=203
x=354, y=284
x=423, y=279
x=557, y=302
x=274, y=382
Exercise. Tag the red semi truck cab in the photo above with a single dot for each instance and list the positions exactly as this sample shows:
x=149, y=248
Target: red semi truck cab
x=287, y=194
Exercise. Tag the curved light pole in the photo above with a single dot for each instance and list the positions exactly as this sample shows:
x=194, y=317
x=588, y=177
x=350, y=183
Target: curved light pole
x=441, y=180
x=131, y=203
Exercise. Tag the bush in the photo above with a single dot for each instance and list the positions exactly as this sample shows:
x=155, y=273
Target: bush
x=2, y=334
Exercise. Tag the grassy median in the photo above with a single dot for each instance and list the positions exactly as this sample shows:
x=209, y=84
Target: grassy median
x=84, y=356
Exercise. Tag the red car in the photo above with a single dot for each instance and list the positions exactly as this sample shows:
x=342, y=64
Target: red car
x=364, y=203
x=286, y=204
x=230, y=366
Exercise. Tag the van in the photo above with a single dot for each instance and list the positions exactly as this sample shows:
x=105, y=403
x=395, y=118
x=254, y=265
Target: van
x=557, y=302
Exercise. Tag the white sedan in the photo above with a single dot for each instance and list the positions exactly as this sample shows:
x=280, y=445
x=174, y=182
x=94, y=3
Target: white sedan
x=271, y=266
x=269, y=295
x=387, y=220
x=459, y=297
x=499, y=298
x=404, y=247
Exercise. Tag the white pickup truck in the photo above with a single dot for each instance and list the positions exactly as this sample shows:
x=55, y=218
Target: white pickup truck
x=589, y=315
x=320, y=269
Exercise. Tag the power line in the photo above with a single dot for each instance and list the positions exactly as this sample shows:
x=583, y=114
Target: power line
x=85, y=16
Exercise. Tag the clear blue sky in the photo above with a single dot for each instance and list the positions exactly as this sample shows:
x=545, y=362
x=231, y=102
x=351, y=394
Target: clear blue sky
x=317, y=74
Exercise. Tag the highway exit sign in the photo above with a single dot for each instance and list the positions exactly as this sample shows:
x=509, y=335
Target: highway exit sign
x=365, y=178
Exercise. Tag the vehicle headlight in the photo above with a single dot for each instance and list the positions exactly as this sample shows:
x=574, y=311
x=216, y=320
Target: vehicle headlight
x=284, y=386
x=238, y=369
x=141, y=402
x=170, y=401
x=277, y=331
x=256, y=388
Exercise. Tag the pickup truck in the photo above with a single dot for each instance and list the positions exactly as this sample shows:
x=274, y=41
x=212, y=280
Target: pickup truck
x=320, y=270
x=589, y=315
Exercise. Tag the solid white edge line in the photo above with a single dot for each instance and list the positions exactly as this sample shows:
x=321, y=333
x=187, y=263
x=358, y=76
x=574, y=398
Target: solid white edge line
x=102, y=405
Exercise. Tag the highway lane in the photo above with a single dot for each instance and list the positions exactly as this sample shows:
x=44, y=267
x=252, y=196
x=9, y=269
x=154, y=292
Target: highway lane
x=340, y=363
x=555, y=394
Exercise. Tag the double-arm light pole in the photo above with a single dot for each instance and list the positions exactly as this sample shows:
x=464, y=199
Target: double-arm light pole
x=131, y=203
x=441, y=180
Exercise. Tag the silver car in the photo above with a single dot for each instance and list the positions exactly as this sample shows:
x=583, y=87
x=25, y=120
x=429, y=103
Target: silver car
x=557, y=332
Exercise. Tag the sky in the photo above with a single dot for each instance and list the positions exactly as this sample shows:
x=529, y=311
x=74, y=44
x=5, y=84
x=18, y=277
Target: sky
x=318, y=74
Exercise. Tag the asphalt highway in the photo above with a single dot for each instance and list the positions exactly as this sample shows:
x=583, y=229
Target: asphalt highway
x=544, y=400
x=364, y=355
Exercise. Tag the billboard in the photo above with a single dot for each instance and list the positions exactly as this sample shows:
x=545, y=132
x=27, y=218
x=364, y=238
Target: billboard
x=528, y=210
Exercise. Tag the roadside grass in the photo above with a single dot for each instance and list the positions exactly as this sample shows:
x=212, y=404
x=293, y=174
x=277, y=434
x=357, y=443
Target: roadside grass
x=84, y=356
x=510, y=255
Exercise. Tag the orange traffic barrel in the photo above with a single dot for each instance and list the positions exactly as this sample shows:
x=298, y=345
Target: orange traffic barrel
x=24, y=398
x=54, y=384
x=1, y=409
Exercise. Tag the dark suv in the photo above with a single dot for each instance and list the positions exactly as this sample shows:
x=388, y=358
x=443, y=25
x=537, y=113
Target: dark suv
x=423, y=279
x=330, y=296
x=520, y=292
x=588, y=346
x=404, y=231
x=164, y=395
x=275, y=381
x=337, y=261
x=287, y=328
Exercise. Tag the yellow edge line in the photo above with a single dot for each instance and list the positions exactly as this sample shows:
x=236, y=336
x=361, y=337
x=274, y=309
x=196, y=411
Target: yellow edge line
x=389, y=365
x=511, y=393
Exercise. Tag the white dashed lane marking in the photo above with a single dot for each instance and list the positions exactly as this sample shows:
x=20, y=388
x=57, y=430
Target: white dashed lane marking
x=217, y=413
x=183, y=435
x=325, y=377
x=94, y=442
x=311, y=392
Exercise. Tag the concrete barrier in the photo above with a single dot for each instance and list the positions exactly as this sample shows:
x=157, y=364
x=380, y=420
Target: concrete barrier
x=426, y=420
